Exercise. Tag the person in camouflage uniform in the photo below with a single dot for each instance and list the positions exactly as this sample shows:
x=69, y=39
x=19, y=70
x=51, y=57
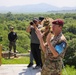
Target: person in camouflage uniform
x=54, y=50
x=47, y=27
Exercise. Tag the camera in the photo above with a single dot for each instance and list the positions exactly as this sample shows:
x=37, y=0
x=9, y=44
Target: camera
x=34, y=21
x=31, y=23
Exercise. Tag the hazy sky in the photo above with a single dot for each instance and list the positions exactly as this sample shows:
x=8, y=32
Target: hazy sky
x=58, y=3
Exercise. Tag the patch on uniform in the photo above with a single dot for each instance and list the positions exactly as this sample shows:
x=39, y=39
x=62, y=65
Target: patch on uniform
x=60, y=47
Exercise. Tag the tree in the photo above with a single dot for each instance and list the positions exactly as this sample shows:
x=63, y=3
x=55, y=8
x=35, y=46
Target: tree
x=70, y=56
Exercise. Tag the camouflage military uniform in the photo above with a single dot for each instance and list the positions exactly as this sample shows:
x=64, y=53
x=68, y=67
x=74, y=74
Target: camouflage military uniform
x=42, y=53
x=46, y=23
x=53, y=65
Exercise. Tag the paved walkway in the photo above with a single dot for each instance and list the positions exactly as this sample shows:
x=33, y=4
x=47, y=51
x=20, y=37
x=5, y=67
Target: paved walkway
x=18, y=69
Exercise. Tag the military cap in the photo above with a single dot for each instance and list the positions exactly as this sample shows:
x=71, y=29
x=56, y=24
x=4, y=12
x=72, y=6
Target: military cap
x=58, y=22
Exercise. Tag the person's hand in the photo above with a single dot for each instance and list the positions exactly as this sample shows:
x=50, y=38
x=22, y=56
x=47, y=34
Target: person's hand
x=46, y=29
x=48, y=37
x=34, y=25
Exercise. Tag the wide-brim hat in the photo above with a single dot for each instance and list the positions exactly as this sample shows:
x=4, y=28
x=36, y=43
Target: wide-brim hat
x=47, y=22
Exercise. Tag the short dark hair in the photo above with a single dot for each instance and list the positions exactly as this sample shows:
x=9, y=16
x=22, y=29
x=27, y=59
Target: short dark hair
x=41, y=18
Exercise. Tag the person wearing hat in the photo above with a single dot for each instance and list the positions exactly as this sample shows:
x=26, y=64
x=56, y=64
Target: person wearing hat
x=36, y=52
x=47, y=23
x=39, y=26
x=12, y=37
x=41, y=18
x=54, y=50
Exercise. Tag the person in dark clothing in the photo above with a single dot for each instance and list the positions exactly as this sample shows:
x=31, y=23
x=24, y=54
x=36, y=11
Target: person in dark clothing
x=31, y=55
x=35, y=44
x=12, y=37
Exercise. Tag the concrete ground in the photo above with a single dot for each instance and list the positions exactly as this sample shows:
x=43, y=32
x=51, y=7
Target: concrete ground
x=18, y=69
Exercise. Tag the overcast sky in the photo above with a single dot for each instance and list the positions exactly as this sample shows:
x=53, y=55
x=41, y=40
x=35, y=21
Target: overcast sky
x=58, y=3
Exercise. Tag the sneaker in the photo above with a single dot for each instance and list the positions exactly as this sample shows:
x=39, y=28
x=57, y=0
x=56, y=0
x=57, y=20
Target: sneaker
x=30, y=65
x=37, y=67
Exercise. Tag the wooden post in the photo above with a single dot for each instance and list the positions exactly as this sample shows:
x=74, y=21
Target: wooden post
x=0, y=54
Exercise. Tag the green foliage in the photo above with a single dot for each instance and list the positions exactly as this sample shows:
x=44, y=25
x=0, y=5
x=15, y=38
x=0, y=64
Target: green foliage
x=69, y=70
x=23, y=42
x=70, y=57
x=72, y=28
x=0, y=38
x=69, y=36
x=20, y=23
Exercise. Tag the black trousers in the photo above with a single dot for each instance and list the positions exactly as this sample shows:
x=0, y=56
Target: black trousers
x=36, y=53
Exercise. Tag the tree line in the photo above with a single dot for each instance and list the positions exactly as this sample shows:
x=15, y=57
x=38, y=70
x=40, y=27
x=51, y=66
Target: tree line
x=20, y=23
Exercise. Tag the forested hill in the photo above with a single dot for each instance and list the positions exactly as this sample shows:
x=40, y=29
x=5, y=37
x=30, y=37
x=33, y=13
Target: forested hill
x=35, y=8
x=20, y=23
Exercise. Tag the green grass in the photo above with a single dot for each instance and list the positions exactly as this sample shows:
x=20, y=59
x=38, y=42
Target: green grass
x=20, y=60
x=69, y=70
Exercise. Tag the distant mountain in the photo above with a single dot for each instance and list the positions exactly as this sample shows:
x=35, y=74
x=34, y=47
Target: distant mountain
x=43, y=7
